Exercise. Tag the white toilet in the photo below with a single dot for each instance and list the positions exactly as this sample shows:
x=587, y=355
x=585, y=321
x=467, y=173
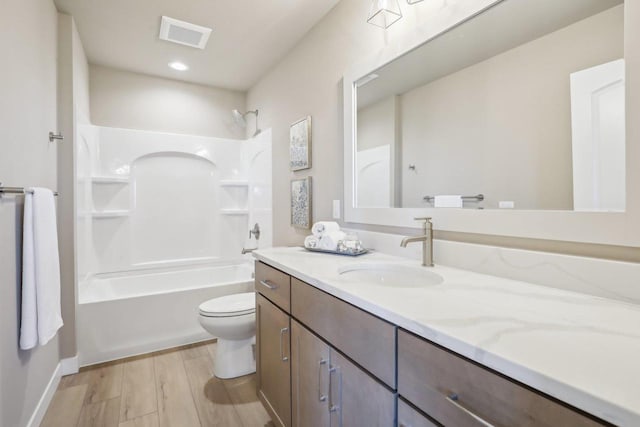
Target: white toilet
x=232, y=319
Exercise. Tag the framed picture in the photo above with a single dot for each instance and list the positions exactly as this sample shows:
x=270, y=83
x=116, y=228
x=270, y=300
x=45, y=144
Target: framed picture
x=300, y=144
x=301, y=203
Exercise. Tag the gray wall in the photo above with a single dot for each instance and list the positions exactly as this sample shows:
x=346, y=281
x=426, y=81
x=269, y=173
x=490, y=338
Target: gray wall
x=73, y=108
x=27, y=114
x=137, y=101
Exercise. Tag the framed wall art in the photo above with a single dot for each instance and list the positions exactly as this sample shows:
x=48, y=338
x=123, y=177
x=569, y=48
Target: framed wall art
x=300, y=144
x=301, y=203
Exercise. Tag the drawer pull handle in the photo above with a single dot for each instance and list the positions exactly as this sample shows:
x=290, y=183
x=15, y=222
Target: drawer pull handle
x=268, y=284
x=321, y=397
x=282, y=356
x=453, y=399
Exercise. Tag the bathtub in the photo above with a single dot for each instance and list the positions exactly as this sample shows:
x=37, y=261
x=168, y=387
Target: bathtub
x=125, y=314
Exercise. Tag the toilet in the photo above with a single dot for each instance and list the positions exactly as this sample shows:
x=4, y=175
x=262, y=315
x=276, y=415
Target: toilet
x=232, y=319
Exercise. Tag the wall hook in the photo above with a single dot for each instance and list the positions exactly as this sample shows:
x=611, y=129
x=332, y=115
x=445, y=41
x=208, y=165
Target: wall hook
x=54, y=136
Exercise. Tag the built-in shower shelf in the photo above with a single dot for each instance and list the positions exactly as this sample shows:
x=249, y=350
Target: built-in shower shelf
x=110, y=214
x=234, y=211
x=234, y=183
x=110, y=179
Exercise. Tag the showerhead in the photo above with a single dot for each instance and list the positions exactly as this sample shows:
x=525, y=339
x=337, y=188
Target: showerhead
x=238, y=117
x=240, y=120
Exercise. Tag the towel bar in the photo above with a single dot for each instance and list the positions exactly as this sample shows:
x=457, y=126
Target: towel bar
x=477, y=198
x=17, y=190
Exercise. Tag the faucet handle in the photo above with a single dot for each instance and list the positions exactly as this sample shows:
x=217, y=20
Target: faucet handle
x=423, y=218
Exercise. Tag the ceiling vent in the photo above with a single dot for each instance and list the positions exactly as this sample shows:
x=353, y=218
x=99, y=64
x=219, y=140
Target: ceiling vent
x=184, y=33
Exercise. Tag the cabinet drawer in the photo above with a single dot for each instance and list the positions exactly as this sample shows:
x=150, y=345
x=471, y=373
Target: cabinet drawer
x=455, y=391
x=409, y=417
x=361, y=336
x=274, y=284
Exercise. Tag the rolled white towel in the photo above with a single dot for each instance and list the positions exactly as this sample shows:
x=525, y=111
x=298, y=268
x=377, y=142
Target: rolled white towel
x=311, y=242
x=321, y=228
x=329, y=241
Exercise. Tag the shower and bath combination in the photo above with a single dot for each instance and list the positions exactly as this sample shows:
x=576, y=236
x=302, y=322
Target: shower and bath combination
x=240, y=120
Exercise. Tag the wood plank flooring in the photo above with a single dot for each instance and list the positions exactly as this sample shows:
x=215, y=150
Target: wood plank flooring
x=171, y=388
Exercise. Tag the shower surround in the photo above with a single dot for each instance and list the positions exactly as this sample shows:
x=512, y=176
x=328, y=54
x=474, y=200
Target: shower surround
x=161, y=223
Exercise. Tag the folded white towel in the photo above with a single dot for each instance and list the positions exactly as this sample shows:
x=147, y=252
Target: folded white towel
x=311, y=242
x=329, y=241
x=41, y=310
x=321, y=228
x=447, y=202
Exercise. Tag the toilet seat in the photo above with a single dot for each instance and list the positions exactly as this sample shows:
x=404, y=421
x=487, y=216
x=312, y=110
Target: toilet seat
x=229, y=305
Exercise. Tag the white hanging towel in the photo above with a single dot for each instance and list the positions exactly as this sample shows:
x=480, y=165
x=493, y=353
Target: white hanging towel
x=452, y=201
x=41, y=310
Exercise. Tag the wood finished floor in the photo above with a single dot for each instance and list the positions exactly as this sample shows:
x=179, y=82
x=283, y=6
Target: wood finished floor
x=172, y=388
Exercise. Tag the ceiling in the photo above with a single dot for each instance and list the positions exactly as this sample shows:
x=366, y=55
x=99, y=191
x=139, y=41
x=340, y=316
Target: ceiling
x=248, y=38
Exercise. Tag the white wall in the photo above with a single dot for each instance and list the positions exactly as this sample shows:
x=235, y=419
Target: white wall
x=136, y=101
x=502, y=127
x=27, y=114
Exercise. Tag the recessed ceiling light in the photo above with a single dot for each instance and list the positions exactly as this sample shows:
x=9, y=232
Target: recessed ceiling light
x=178, y=66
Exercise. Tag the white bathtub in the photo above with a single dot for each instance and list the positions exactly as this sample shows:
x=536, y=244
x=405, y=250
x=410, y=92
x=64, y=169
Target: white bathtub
x=125, y=314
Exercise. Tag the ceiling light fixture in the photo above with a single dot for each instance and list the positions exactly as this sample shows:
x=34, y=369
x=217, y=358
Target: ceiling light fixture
x=384, y=13
x=179, y=66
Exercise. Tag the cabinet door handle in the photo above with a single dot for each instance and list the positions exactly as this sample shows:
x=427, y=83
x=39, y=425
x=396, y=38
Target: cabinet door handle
x=282, y=356
x=269, y=284
x=453, y=398
x=321, y=397
x=333, y=406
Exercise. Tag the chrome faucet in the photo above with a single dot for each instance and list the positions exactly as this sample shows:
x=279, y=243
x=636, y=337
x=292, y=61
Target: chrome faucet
x=255, y=232
x=426, y=239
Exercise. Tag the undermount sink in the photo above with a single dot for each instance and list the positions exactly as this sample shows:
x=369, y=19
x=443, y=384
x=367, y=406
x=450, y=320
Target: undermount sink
x=390, y=275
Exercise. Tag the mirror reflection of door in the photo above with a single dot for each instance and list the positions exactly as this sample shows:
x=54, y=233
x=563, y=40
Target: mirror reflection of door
x=374, y=175
x=597, y=121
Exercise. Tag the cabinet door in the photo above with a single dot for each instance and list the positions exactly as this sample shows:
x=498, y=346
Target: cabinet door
x=409, y=417
x=309, y=378
x=273, y=364
x=355, y=398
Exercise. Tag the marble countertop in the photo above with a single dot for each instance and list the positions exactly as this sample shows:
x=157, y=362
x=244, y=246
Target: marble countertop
x=580, y=349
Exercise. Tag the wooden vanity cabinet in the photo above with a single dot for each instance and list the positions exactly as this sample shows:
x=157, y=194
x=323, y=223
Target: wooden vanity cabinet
x=367, y=339
x=273, y=343
x=330, y=390
x=457, y=392
x=323, y=362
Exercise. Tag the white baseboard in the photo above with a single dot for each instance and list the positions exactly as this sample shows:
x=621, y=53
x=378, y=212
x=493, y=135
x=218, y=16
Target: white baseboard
x=69, y=366
x=45, y=399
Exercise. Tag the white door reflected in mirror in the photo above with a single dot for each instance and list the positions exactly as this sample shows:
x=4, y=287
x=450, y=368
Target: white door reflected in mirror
x=598, y=125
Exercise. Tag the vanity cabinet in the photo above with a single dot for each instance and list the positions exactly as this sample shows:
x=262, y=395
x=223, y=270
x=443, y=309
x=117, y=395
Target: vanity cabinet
x=352, y=330
x=273, y=337
x=455, y=391
x=329, y=390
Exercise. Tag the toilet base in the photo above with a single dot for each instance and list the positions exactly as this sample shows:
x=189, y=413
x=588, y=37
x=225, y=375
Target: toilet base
x=234, y=358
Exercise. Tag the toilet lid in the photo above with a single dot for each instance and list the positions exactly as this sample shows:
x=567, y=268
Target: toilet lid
x=229, y=305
